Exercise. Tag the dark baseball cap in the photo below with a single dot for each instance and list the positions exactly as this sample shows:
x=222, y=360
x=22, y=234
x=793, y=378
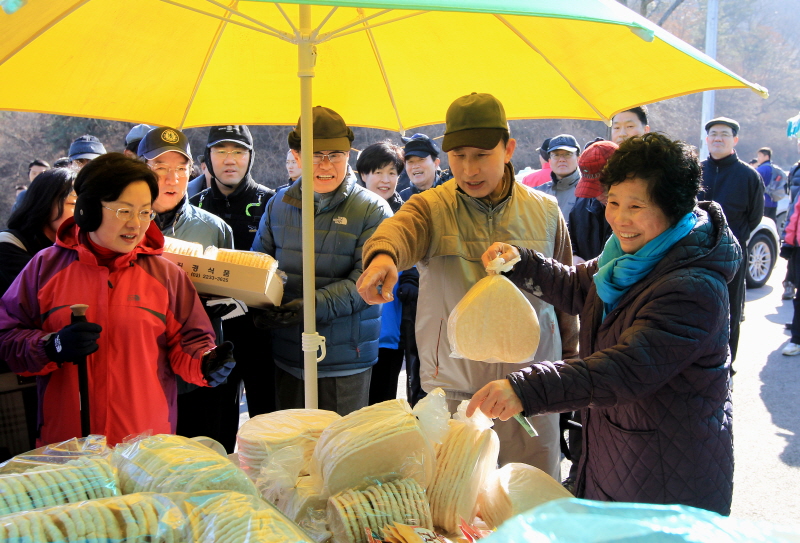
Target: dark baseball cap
x=543, y=149
x=162, y=140
x=234, y=133
x=86, y=147
x=723, y=120
x=475, y=120
x=137, y=133
x=330, y=132
x=563, y=141
x=420, y=145
x=591, y=164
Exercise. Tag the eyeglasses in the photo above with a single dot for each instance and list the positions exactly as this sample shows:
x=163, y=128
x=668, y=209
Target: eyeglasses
x=336, y=157
x=223, y=154
x=724, y=135
x=562, y=154
x=162, y=170
x=125, y=214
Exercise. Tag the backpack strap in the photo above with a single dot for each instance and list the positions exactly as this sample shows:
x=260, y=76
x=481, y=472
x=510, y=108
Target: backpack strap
x=8, y=237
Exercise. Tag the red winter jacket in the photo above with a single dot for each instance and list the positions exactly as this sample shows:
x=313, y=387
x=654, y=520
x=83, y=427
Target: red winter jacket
x=154, y=327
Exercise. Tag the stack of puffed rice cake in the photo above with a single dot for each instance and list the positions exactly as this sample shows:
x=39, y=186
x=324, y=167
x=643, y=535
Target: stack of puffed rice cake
x=377, y=442
x=48, y=484
x=351, y=512
x=169, y=463
x=463, y=461
x=263, y=435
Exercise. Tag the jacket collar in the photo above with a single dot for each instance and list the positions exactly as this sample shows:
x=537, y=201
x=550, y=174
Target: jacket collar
x=566, y=182
x=725, y=161
x=69, y=236
x=245, y=185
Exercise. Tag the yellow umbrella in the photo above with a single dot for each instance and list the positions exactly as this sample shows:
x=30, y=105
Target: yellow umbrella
x=388, y=64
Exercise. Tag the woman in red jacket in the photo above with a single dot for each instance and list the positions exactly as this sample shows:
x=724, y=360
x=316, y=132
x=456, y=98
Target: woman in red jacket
x=145, y=321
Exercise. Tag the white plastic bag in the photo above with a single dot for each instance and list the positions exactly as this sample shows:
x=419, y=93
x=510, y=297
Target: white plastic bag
x=494, y=322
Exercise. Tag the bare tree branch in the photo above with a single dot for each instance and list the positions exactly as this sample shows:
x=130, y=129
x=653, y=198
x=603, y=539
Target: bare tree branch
x=669, y=11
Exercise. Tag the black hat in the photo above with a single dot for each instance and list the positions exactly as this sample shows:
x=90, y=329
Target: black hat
x=86, y=147
x=420, y=145
x=234, y=133
x=723, y=120
x=163, y=139
x=543, y=149
x=564, y=141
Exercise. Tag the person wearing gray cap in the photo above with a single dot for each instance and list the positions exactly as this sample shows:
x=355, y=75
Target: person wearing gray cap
x=444, y=231
x=563, y=152
x=738, y=188
x=133, y=138
x=84, y=149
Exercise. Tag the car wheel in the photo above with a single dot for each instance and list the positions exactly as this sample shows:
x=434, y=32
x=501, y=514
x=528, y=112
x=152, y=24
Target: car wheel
x=762, y=253
x=780, y=222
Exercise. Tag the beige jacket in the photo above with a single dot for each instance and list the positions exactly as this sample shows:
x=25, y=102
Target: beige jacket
x=444, y=232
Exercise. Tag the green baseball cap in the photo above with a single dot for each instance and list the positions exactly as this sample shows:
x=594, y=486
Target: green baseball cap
x=330, y=132
x=475, y=120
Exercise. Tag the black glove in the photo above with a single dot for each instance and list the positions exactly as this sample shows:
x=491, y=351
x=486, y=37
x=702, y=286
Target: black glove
x=787, y=251
x=282, y=316
x=73, y=342
x=217, y=311
x=218, y=363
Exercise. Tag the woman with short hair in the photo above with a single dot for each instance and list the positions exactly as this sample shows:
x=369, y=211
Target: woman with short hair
x=653, y=374
x=145, y=321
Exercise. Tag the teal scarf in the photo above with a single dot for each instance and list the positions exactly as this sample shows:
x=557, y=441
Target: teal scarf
x=619, y=271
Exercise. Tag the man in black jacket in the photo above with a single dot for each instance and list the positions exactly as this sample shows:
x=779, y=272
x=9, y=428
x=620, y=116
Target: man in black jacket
x=738, y=188
x=238, y=200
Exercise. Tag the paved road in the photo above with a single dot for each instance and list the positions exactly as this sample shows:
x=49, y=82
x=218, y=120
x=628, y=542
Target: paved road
x=766, y=398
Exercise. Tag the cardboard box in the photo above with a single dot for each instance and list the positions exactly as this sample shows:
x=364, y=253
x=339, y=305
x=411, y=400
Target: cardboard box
x=254, y=286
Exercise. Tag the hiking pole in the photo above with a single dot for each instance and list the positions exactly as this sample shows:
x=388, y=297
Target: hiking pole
x=79, y=315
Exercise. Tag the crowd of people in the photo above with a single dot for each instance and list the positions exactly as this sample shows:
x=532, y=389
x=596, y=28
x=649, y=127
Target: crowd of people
x=633, y=254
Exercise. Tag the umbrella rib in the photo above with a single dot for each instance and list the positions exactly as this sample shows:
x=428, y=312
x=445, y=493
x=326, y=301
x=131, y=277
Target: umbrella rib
x=552, y=65
x=333, y=34
x=247, y=17
x=324, y=21
x=44, y=29
x=360, y=20
x=377, y=53
x=288, y=19
x=206, y=61
x=276, y=34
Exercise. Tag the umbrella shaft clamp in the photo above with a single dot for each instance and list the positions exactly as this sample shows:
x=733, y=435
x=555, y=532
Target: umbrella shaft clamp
x=313, y=343
x=307, y=59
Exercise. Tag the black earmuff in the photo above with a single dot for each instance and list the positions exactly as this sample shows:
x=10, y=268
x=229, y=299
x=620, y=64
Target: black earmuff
x=88, y=214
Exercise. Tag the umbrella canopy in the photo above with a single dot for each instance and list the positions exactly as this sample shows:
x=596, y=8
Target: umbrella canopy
x=393, y=65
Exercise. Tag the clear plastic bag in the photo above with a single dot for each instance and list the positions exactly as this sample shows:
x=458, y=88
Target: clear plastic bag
x=72, y=471
x=380, y=442
x=352, y=512
x=178, y=517
x=585, y=521
x=494, y=322
x=463, y=461
x=169, y=463
x=263, y=435
x=56, y=480
x=514, y=489
x=252, y=259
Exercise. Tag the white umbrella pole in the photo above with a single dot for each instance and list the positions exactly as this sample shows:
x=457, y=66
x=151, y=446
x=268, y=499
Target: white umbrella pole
x=306, y=73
